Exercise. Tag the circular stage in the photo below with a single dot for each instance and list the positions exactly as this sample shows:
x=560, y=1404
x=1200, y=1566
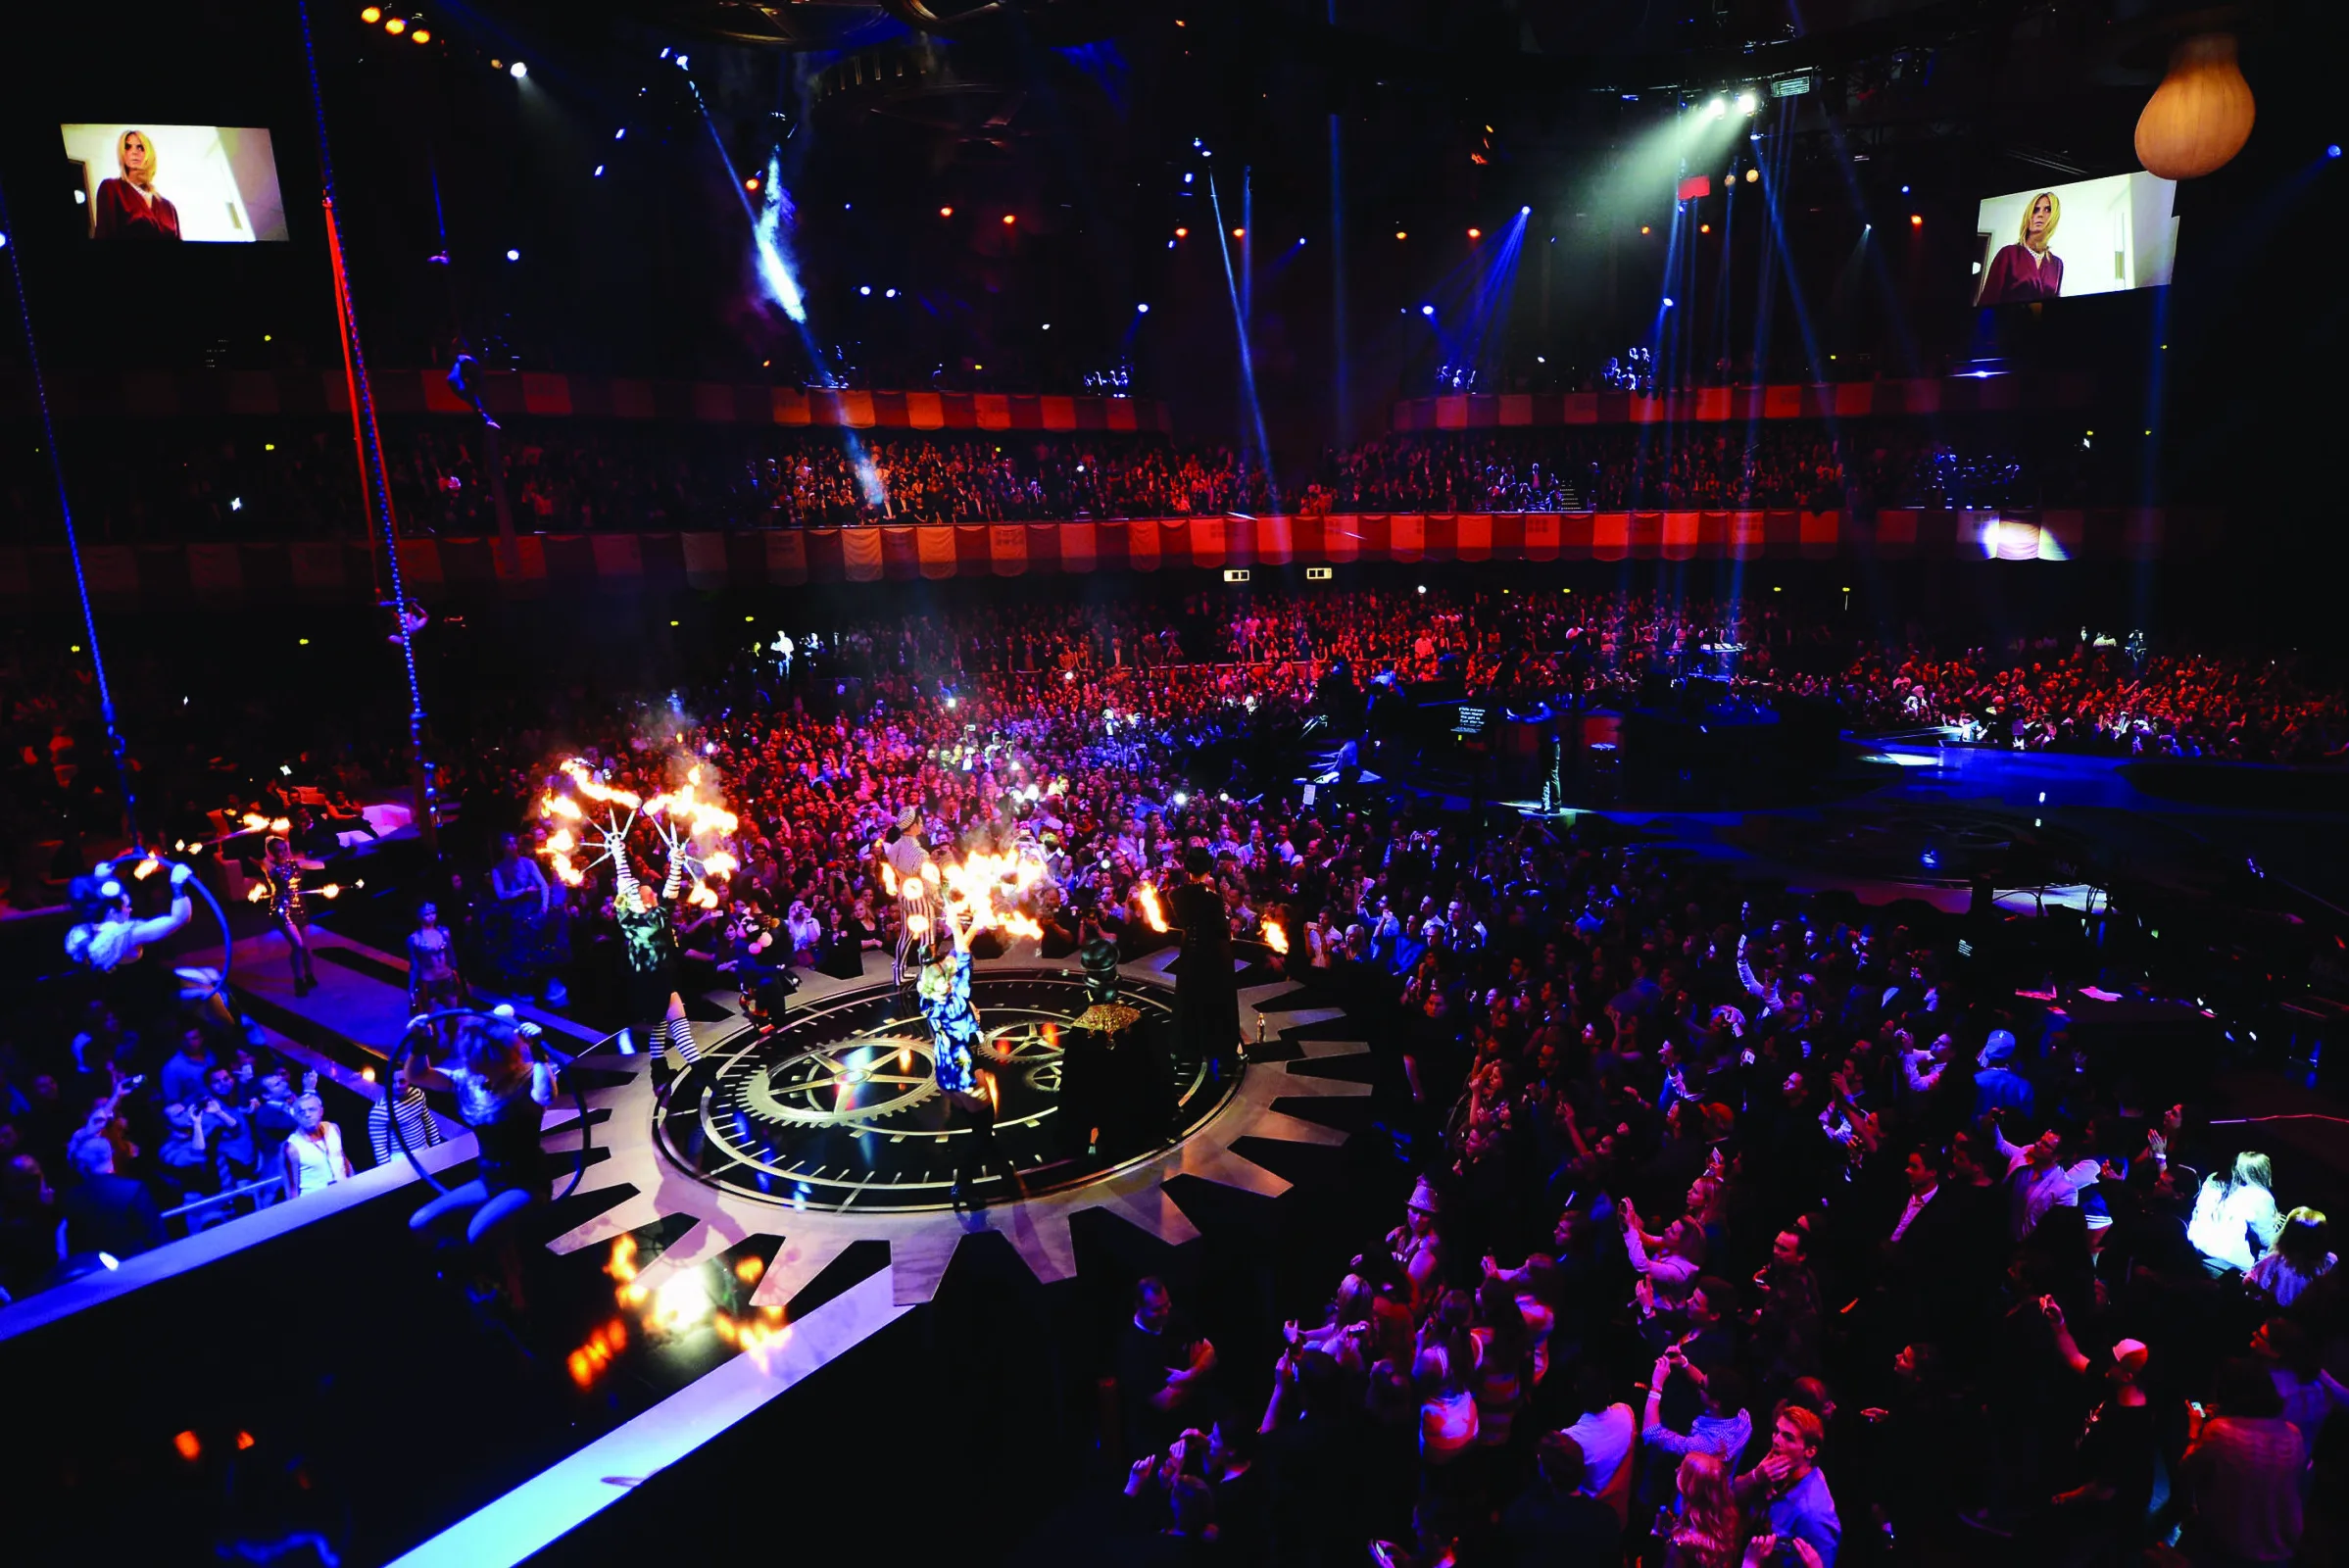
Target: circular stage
x=837, y=1109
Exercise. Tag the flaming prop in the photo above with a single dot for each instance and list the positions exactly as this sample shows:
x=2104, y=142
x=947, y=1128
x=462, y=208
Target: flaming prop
x=1153, y=915
x=987, y=888
x=685, y=822
x=1274, y=938
x=596, y=819
x=607, y=838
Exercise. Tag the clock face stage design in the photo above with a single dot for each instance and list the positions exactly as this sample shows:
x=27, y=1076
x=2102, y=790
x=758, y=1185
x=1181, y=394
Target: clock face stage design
x=829, y=1129
x=838, y=1107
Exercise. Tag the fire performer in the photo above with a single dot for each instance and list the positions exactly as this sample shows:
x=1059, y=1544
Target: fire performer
x=649, y=943
x=944, y=992
x=282, y=870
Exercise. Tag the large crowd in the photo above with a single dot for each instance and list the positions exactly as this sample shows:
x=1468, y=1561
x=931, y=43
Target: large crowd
x=1744, y=1229
x=238, y=479
x=1859, y=465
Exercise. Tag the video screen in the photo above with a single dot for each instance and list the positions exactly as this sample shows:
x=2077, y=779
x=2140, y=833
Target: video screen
x=2093, y=236
x=208, y=184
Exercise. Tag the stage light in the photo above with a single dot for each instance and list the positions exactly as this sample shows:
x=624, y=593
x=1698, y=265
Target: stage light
x=1427, y=309
x=1182, y=233
x=1716, y=109
x=889, y=294
x=1186, y=176
x=513, y=256
x=421, y=35
x=946, y=212
x=866, y=289
x=751, y=183
x=620, y=134
x=1904, y=190
x=1668, y=301
x=2333, y=151
x=518, y=71
x=1402, y=234
x=599, y=171
x=190, y=1446
x=1046, y=328
x=1476, y=233
x=683, y=63
x=1525, y=212
x=1642, y=229
x=1915, y=220
x=1170, y=244
x=372, y=15
x=236, y=503
x=3, y=242
x=395, y=26
x=1752, y=175
x=1008, y=220
x=1747, y=103
x=1704, y=228
x=1141, y=309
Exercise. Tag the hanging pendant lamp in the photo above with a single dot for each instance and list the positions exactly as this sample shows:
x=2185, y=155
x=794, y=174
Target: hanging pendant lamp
x=2201, y=114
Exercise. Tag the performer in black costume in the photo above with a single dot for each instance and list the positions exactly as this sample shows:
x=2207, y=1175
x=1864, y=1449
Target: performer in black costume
x=1206, y=998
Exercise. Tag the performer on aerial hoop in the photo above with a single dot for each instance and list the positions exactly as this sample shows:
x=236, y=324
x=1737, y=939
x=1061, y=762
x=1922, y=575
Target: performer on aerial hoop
x=917, y=894
x=944, y=992
x=284, y=870
x=503, y=1084
x=108, y=940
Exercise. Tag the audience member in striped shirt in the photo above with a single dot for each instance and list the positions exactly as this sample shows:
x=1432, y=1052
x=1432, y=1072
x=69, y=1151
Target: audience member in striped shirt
x=418, y=1125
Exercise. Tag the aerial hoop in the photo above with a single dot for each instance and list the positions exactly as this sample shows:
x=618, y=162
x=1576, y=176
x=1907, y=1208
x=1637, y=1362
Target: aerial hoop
x=423, y=1021
x=101, y=943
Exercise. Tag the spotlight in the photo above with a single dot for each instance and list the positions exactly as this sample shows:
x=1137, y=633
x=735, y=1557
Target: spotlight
x=1402, y=234
x=513, y=256
x=372, y=15
x=1716, y=109
x=395, y=26
x=1704, y=228
x=1915, y=220
x=1752, y=175
x=1427, y=309
x=1642, y=229
x=866, y=289
x=1008, y=220
x=1170, y=244
x=2333, y=151
x=1476, y=233
x=1747, y=103
x=1182, y=233
x=751, y=183
x=889, y=294
x=518, y=71
x=1904, y=190
x=598, y=171
x=620, y=134
x=1048, y=327
x=1525, y=212
x=1668, y=301
x=1239, y=233
x=946, y=212
x=1143, y=309
x=421, y=35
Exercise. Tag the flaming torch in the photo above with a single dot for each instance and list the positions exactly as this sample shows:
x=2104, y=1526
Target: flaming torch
x=1274, y=938
x=1153, y=915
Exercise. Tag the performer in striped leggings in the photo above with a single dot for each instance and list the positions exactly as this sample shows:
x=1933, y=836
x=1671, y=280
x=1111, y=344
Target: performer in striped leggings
x=905, y=861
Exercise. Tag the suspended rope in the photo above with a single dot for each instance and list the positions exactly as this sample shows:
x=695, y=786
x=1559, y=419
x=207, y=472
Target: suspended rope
x=64, y=506
x=375, y=478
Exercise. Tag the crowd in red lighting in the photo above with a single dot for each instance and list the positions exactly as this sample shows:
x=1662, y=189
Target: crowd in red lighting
x=230, y=482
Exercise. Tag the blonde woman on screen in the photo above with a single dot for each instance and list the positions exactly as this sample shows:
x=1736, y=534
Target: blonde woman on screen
x=2028, y=270
x=129, y=207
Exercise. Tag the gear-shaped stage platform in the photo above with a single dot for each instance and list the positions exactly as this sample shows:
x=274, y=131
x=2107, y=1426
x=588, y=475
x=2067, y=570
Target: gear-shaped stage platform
x=828, y=1130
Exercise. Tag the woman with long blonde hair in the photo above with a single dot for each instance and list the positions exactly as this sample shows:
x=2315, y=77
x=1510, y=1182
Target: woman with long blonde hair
x=2028, y=270
x=128, y=206
x=1705, y=1533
